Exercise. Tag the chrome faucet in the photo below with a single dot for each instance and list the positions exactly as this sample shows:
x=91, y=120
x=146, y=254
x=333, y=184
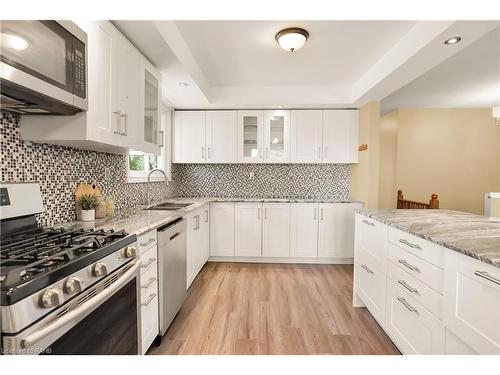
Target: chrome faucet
x=149, y=181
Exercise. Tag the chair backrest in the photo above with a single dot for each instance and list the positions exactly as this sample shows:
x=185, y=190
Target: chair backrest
x=406, y=204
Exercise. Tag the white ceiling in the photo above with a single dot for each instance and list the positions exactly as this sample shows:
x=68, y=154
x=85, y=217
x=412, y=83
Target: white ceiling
x=245, y=53
x=469, y=79
x=238, y=64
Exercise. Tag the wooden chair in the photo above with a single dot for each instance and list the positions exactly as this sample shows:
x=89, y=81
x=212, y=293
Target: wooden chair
x=406, y=204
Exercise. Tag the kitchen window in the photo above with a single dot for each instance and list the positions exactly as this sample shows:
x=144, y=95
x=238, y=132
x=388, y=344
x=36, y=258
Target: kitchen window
x=139, y=164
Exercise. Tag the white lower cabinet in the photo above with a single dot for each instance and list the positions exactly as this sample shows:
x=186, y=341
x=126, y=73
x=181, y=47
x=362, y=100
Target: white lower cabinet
x=412, y=328
x=336, y=230
x=304, y=230
x=248, y=229
x=276, y=230
x=472, y=302
x=455, y=346
x=222, y=229
x=370, y=285
x=148, y=250
x=197, y=242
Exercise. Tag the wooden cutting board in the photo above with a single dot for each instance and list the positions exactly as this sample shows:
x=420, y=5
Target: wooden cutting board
x=84, y=188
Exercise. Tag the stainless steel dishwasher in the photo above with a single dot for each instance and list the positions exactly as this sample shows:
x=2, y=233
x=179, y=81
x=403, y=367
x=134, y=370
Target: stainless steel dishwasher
x=171, y=271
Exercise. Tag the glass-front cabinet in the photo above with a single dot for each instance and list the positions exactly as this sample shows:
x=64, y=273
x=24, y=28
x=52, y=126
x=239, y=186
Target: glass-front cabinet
x=276, y=136
x=152, y=133
x=263, y=136
x=250, y=136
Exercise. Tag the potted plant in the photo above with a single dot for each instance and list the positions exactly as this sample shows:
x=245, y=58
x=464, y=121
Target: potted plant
x=87, y=203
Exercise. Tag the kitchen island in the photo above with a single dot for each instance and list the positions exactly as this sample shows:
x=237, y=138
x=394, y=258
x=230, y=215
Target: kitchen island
x=431, y=279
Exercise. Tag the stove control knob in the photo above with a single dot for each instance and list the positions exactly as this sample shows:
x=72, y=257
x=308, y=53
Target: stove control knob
x=100, y=269
x=73, y=285
x=51, y=297
x=130, y=252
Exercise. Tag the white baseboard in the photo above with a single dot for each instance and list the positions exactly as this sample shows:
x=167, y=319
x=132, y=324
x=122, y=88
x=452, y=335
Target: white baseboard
x=235, y=259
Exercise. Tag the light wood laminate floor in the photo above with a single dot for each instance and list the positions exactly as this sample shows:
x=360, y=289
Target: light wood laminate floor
x=241, y=308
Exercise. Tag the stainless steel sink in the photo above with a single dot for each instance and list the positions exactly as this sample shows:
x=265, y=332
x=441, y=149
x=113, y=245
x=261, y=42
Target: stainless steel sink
x=168, y=206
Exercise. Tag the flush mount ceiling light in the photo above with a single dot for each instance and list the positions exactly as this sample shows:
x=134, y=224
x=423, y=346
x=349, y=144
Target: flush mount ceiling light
x=183, y=84
x=453, y=40
x=292, y=39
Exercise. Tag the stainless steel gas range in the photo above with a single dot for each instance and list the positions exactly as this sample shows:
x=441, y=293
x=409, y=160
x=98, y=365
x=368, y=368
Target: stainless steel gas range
x=65, y=291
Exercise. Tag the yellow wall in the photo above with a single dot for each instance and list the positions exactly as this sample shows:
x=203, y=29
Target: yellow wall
x=452, y=152
x=388, y=160
x=365, y=174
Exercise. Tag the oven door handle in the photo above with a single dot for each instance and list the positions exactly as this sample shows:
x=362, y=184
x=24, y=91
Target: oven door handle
x=66, y=318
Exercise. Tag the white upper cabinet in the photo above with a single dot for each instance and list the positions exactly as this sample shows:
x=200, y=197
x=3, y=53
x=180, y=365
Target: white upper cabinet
x=276, y=230
x=340, y=136
x=125, y=98
x=250, y=136
x=276, y=137
x=151, y=133
x=221, y=136
x=189, y=136
x=306, y=136
x=102, y=123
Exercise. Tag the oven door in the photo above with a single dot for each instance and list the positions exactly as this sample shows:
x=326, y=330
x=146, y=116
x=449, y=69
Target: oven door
x=102, y=320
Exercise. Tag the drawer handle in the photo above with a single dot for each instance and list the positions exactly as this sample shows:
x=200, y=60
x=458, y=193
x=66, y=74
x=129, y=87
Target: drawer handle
x=151, y=297
x=487, y=276
x=368, y=223
x=410, y=288
x=408, y=243
x=408, y=265
x=365, y=267
x=150, y=262
x=407, y=305
x=151, y=240
x=150, y=281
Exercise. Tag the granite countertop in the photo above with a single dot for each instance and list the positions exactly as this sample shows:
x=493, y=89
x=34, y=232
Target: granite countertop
x=138, y=220
x=473, y=235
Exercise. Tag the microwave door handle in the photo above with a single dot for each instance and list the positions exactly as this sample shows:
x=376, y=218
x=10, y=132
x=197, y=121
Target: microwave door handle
x=35, y=337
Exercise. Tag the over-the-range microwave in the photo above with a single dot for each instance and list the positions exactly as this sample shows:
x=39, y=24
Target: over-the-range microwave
x=43, y=67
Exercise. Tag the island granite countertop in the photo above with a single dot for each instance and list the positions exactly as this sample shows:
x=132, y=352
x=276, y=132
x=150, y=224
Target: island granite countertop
x=138, y=220
x=473, y=235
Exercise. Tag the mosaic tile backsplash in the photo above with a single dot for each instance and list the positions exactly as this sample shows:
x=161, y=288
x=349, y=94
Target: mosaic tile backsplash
x=58, y=169
x=320, y=181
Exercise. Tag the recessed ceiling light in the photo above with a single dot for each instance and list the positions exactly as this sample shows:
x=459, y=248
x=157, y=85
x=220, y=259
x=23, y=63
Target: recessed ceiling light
x=292, y=39
x=453, y=40
x=183, y=84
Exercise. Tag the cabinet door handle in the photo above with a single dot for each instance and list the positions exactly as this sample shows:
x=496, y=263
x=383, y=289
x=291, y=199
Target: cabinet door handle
x=321, y=210
x=197, y=222
x=206, y=217
x=315, y=213
x=150, y=262
x=408, y=243
x=319, y=153
x=150, y=281
x=151, y=297
x=162, y=135
x=407, y=305
x=368, y=223
x=365, y=267
x=326, y=152
x=487, y=276
x=209, y=152
x=406, y=286
x=118, y=122
x=151, y=240
x=125, y=124
x=260, y=153
x=408, y=265
x=258, y=213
